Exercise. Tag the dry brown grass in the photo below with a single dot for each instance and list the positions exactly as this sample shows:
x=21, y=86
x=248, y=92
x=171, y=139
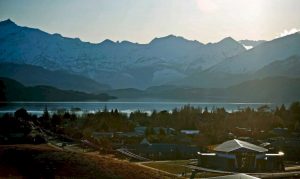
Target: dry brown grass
x=175, y=167
x=43, y=161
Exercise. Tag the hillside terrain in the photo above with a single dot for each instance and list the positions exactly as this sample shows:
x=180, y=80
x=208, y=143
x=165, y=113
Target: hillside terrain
x=43, y=161
x=268, y=89
x=31, y=75
x=15, y=91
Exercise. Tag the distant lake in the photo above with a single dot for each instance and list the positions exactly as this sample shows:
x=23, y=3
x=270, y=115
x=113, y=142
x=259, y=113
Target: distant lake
x=123, y=106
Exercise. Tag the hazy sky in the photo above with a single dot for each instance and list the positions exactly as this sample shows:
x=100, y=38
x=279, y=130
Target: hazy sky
x=142, y=20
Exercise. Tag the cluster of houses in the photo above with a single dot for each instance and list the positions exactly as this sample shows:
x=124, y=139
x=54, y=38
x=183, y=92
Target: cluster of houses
x=182, y=149
x=240, y=154
x=163, y=151
x=138, y=132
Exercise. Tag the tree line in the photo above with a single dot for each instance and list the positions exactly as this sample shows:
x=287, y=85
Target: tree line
x=214, y=125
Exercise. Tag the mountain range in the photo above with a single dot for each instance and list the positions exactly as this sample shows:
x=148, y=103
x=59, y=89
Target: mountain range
x=118, y=64
x=34, y=57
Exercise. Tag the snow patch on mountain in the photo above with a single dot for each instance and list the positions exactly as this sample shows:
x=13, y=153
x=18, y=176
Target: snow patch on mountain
x=113, y=63
x=265, y=53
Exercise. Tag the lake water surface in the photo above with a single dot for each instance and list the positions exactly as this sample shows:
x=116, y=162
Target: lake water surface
x=125, y=107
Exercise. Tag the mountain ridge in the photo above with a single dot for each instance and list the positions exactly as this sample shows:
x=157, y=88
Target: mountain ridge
x=118, y=64
x=31, y=75
x=263, y=54
x=165, y=60
x=15, y=91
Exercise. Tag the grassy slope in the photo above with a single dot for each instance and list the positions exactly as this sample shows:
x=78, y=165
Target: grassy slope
x=42, y=161
x=177, y=167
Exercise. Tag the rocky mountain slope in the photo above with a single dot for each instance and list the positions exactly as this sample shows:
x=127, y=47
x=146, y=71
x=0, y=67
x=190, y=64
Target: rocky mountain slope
x=119, y=64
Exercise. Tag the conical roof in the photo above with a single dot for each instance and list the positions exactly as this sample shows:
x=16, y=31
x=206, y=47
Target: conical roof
x=233, y=145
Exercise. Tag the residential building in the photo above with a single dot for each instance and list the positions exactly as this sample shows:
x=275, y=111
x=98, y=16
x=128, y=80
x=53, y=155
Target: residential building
x=237, y=155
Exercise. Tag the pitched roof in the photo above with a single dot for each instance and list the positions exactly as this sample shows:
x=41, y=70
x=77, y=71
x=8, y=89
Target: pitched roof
x=235, y=144
x=145, y=141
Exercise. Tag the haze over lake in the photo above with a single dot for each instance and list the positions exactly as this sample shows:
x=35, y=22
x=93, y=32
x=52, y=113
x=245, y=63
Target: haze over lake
x=123, y=106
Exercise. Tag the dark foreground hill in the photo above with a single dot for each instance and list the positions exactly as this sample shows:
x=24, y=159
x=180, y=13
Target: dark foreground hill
x=43, y=161
x=270, y=89
x=31, y=75
x=15, y=91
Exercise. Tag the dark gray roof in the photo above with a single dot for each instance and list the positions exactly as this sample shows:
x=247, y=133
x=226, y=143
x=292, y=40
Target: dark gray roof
x=233, y=145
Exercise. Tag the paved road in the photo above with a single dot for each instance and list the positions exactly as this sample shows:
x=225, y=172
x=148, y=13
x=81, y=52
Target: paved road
x=295, y=174
x=293, y=168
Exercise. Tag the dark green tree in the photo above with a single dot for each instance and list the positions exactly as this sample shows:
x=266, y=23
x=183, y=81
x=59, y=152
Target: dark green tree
x=2, y=93
x=149, y=131
x=22, y=114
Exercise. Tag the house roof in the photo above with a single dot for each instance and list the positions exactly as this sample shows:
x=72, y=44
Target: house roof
x=190, y=132
x=145, y=141
x=233, y=145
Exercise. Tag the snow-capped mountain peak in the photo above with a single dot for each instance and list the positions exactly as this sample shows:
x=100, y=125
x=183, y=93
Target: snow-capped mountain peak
x=119, y=64
x=263, y=54
x=7, y=22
